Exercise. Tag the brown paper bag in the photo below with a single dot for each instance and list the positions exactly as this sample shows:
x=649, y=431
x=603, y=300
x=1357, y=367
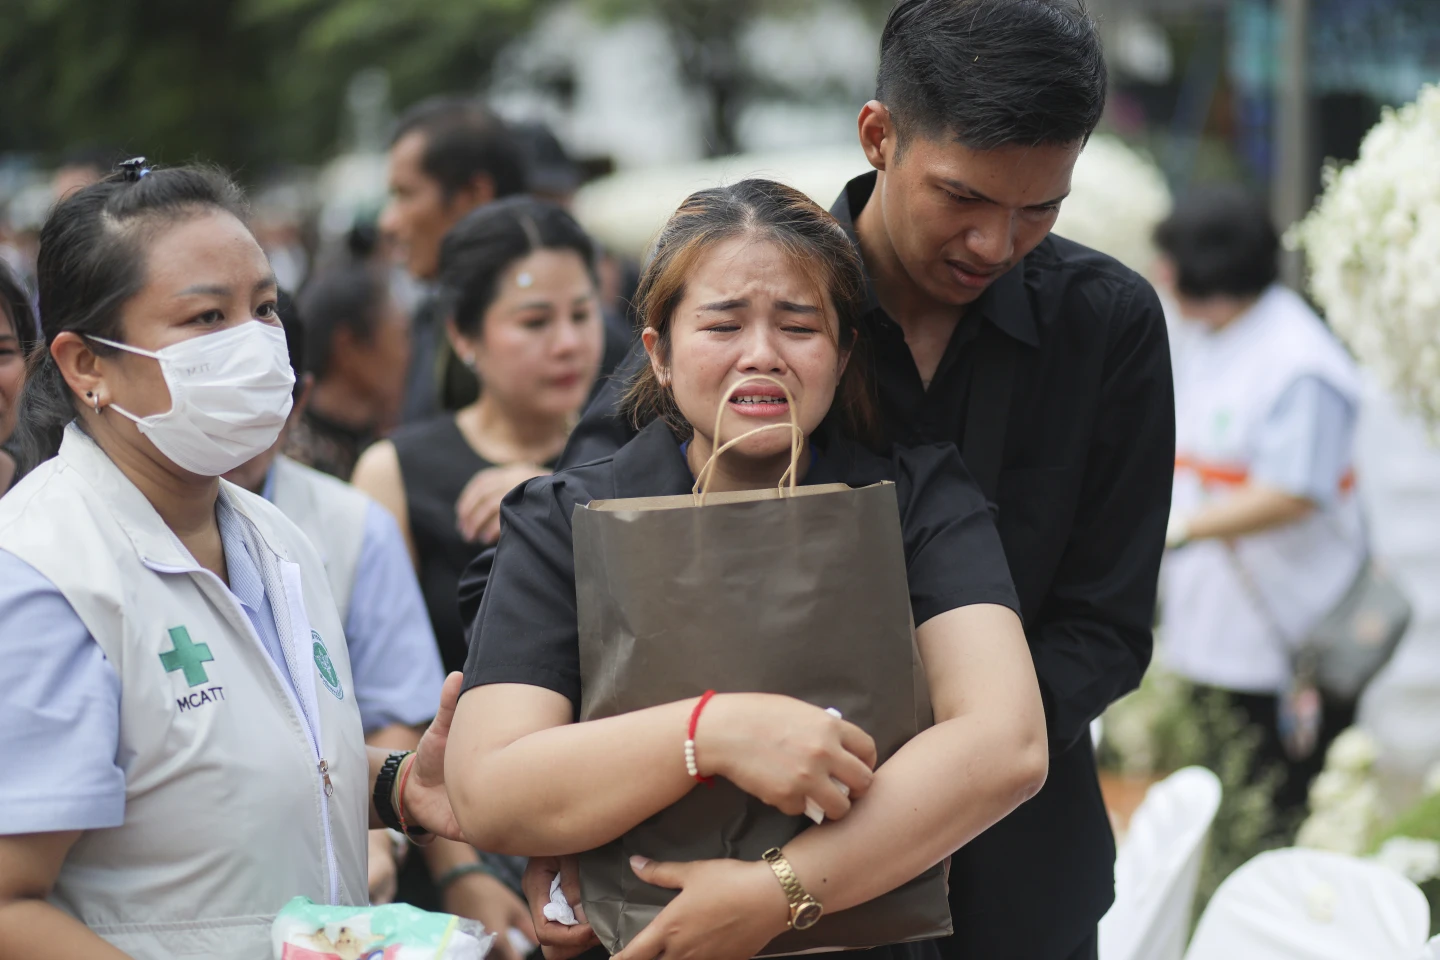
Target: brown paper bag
x=799, y=592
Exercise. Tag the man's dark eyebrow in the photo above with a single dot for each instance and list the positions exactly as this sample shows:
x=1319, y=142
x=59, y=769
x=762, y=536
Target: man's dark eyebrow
x=966, y=188
x=267, y=283
x=721, y=305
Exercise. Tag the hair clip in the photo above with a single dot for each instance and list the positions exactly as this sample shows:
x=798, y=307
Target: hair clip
x=133, y=169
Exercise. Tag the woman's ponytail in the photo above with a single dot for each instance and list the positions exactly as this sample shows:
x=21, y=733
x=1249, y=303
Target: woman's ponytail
x=44, y=411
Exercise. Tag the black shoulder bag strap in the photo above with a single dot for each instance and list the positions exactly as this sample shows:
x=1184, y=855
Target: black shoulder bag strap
x=987, y=414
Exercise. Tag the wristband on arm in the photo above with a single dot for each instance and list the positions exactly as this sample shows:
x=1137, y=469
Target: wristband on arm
x=389, y=797
x=690, y=765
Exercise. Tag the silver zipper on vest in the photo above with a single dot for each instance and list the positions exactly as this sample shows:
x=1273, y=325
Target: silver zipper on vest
x=297, y=703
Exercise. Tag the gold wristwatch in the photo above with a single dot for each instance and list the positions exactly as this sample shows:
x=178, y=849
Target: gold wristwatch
x=805, y=910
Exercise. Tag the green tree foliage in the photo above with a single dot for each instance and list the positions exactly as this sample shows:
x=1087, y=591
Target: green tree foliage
x=172, y=78
x=254, y=83
x=245, y=83
x=424, y=46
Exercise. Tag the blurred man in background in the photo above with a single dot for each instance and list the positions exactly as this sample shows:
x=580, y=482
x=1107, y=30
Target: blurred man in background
x=552, y=174
x=448, y=155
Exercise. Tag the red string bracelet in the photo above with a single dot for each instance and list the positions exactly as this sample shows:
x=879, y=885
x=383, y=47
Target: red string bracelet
x=400, y=805
x=690, y=765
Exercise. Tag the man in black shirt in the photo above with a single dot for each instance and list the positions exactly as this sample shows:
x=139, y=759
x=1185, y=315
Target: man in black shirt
x=1047, y=364
x=448, y=155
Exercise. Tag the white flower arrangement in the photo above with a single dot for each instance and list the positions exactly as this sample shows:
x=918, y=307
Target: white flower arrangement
x=1419, y=860
x=1353, y=751
x=1345, y=801
x=1373, y=246
x=1348, y=824
x=1432, y=782
x=1345, y=814
x=1117, y=198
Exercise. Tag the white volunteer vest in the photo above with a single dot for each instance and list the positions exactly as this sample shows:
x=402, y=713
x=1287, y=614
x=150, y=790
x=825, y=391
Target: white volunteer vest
x=226, y=815
x=331, y=513
x=1226, y=385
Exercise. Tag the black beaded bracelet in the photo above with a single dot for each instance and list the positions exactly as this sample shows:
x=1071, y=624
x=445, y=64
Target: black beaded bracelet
x=385, y=790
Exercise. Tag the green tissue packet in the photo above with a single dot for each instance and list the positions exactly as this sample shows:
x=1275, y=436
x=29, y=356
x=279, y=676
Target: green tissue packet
x=304, y=930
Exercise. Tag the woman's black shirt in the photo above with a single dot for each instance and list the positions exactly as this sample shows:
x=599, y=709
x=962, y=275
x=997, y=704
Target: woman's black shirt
x=436, y=462
x=526, y=628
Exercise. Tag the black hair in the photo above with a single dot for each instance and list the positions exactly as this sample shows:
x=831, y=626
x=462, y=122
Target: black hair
x=15, y=304
x=362, y=239
x=294, y=326
x=464, y=139
x=91, y=262
x=992, y=73
x=480, y=248
x=1222, y=243
x=551, y=169
x=349, y=297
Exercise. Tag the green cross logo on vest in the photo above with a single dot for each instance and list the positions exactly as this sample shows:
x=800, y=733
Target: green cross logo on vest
x=187, y=656
x=326, y=668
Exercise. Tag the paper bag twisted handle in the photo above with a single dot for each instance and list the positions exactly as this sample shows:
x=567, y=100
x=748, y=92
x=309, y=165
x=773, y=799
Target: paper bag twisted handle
x=706, y=474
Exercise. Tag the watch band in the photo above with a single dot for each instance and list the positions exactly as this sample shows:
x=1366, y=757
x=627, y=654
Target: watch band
x=805, y=910
x=385, y=791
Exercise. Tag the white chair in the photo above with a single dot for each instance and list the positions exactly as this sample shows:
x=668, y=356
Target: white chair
x=1157, y=868
x=1312, y=905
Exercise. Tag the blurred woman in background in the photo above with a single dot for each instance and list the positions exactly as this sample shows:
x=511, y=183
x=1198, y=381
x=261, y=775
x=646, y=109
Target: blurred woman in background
x=519, y=288
x=17, y=335
x=357, y=347
x=1266, y=533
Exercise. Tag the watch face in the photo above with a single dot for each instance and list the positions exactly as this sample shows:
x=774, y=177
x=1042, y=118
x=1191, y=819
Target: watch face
x=807, y=915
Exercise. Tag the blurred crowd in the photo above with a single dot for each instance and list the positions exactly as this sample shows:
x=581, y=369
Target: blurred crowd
x=474, y=272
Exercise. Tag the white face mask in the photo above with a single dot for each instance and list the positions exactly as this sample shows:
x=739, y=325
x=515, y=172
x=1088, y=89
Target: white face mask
x=230, y=393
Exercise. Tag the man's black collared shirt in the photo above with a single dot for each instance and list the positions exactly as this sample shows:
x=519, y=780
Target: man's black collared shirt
x=1083, y=496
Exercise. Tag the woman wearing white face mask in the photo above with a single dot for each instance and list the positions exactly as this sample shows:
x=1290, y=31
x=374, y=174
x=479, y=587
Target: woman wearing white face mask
x=182, y=747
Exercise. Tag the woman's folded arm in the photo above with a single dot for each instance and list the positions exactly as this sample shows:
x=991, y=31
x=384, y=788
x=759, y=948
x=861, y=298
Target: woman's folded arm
x=985, y=755
x=524, y=780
